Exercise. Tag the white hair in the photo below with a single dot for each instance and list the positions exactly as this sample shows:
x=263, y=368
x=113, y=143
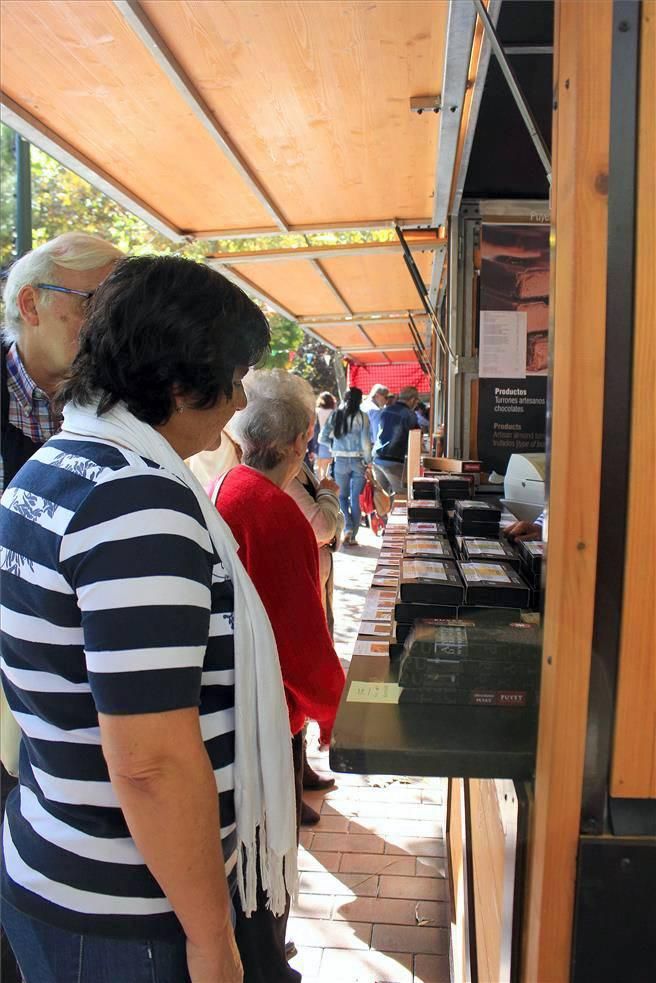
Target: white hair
x=280, y=408
x=71, y=251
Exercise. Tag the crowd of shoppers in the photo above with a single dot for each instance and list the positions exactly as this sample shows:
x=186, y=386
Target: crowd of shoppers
x=166, y=561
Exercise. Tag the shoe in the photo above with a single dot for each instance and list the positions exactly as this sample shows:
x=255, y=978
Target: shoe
x=290, y=950
x=314, y=783
x=348, y=539
x=309, y=816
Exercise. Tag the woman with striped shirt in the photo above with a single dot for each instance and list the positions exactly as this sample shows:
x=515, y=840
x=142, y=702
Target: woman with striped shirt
x=130, y=634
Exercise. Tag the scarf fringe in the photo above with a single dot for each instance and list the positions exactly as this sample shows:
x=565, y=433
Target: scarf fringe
x=278, y=874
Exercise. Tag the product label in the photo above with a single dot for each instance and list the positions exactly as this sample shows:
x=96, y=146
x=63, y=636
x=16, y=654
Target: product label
x=433, y=547
x=374, y=628
x=425, y=570
x=477, y=546
x=365, y=646
x=477, y=572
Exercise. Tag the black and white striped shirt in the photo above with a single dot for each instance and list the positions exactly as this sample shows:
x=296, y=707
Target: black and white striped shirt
x=113, y=601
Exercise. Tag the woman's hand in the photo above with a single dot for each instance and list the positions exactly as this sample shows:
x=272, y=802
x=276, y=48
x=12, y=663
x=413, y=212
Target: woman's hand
x=216, y=963
x=328, y=484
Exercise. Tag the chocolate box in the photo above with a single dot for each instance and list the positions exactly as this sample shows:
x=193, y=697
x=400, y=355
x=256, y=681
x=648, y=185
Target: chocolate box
x=494, y=584
x=431, y=582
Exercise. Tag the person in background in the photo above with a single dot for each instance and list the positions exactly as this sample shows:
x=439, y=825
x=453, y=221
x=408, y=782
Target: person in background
x=45, y=296
x=348, y=429
x=136, y=672
x=209, y=464
x=373, y=406
x=422, y=414
x=325, y=405
x=391, y=447
x=279, y=549
x=391, y=399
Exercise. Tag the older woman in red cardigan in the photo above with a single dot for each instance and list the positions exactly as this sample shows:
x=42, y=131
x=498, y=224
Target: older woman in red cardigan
x=279, y=550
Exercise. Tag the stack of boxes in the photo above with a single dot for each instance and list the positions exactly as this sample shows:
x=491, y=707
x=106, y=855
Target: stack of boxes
x=455, y=606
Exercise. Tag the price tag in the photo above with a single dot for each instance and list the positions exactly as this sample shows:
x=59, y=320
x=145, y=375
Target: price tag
x=365, y=646
x=362, y=692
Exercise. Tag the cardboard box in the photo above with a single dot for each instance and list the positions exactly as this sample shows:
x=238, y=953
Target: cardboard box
x=452, y=464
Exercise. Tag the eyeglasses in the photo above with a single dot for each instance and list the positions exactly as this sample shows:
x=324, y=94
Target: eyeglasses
x=88, y=294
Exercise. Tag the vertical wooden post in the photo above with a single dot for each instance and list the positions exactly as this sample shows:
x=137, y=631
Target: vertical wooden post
x=578, y=309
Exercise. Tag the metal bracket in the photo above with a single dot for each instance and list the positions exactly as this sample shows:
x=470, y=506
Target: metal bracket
x=467, y=364
x=515, y=88
x=423, y=294
x=425, y=104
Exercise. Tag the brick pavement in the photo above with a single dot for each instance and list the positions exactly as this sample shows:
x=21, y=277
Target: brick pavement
x=373, y=902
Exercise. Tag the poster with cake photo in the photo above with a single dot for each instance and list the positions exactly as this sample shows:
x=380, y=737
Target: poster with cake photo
x=515, y=278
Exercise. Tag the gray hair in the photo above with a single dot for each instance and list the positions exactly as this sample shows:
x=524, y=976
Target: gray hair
x=72, y=251
x=280, y=408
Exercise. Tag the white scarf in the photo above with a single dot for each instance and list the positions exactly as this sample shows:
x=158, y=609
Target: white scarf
x=264, y=778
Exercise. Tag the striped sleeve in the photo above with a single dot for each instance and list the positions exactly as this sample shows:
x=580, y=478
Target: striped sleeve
x=142, y=576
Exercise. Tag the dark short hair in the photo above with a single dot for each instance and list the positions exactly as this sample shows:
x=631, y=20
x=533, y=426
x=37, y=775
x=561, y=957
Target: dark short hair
x=158, y=322
x=326, y=401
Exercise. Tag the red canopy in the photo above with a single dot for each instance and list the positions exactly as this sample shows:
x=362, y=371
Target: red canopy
x=395, y=376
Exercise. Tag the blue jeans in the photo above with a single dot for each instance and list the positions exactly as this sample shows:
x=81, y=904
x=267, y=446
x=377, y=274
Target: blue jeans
x=47, y=954
x=349, y=475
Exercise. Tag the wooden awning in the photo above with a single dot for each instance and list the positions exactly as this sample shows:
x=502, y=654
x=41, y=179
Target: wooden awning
x=216, y=119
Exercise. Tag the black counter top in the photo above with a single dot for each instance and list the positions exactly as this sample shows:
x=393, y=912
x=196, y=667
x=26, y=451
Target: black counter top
x=429, y=740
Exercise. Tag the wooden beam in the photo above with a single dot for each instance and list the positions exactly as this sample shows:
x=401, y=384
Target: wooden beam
x=413, y=224
x=366, y=317
x=23, y=122
x=323, y=252
x=578, y=303
x=134, y=15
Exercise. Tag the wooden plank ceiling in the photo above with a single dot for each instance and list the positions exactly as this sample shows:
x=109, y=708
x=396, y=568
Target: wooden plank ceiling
x=253, y=117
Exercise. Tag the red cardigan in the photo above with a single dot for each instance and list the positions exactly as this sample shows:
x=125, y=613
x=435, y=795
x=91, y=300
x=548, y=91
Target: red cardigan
x=279, y=549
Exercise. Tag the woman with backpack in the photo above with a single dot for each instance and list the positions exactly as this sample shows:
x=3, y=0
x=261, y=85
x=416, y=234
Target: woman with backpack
x=348, y=431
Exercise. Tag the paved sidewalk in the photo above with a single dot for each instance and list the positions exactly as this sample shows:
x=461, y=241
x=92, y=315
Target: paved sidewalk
x=373, y=903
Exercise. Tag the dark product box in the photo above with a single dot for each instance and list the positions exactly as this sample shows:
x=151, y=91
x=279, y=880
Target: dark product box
x=424, y=511
x=426, y=529
x=494, y=585
x=425, y=488
x=431, y=582
x=453, y=661
x=488, y=549
x=531, y=555
x=430, y=547
x=472, y=528
x=406, y=613
x=477, y=510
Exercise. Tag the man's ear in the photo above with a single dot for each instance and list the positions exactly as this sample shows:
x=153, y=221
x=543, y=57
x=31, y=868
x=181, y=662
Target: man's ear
x=26, y=303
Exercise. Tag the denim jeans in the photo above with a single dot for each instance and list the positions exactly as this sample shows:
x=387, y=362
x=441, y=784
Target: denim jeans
x=47, y=954
x=349, y=475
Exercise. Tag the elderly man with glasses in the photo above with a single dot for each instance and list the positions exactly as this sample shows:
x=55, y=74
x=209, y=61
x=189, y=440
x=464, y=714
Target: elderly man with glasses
x=45, y=295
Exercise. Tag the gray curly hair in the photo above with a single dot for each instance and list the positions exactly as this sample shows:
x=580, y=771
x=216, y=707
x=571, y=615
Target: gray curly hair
x=280, y=408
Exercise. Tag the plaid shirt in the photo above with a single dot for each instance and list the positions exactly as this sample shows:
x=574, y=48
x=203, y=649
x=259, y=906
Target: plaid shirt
x=29, y=407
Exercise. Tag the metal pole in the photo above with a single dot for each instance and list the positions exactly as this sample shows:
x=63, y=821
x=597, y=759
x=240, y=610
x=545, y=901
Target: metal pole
x=23, y=197
x=515, y=88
